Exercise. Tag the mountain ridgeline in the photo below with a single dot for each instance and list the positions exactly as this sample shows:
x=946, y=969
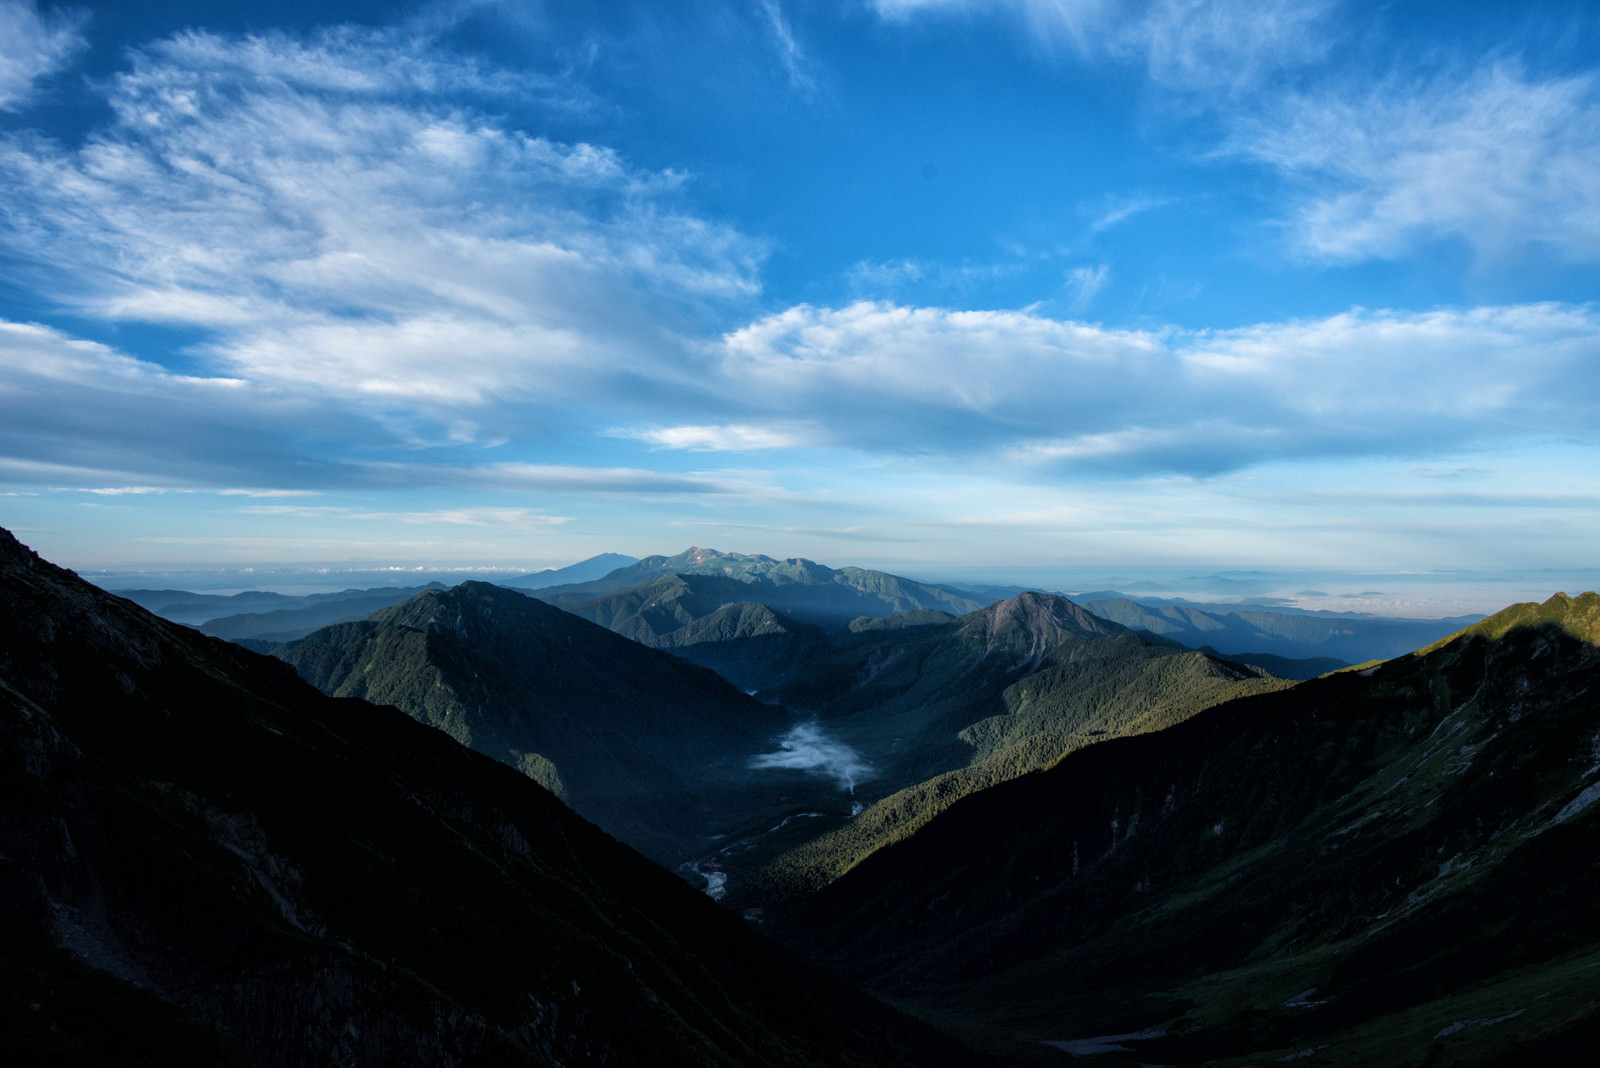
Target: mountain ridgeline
x=204, y=861
x=756, y=620
x=644, y=743
x=948, y=709
x=1392, y=866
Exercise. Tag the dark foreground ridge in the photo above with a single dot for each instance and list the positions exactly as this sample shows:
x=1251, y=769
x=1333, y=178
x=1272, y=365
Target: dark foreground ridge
x=1394, y=865
x=204, y=861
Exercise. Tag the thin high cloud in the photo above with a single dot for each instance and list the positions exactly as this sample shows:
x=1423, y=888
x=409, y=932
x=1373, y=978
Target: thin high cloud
x=1075, y=396
x=790, y=54
x=339, y=227
x=33, y=46
x=1376, y=162
x=1221, y=46
x=1499, y=158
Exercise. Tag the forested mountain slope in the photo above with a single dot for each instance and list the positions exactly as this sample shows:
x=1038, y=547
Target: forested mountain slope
x=1387, y=866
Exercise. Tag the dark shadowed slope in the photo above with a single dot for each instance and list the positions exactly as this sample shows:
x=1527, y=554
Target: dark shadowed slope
x=944, y=710
x=260, y=874
x=640, y=741
x=1391, y=866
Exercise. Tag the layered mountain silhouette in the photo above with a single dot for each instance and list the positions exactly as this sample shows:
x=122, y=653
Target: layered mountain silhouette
x=205, y=861
x=1260, y=635
x=1386, y=866
x=755, y=620
x=259, y=618
x=943, y=710
x=265, y=617
x=648, y=745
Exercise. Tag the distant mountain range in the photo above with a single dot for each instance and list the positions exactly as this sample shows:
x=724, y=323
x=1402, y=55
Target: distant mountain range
x=669, y=602
x=754, y=619
x=1254, y=632
x=203, y=861
x=917, y=711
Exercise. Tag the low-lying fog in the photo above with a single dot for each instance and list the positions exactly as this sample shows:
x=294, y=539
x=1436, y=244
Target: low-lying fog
x=807, y=747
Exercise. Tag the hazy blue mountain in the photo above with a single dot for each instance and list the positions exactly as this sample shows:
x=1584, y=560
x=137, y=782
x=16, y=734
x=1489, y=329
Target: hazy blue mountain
x=269, y=616
x=185, y=606
x=1386, y=866
x=594, y=567
x=805, y=590
x=646, y=744
x=203, y=861
x=1248, y=629
x=287, y=624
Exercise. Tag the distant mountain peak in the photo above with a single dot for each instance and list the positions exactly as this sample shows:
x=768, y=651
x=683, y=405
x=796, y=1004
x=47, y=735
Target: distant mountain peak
x=1042, y=614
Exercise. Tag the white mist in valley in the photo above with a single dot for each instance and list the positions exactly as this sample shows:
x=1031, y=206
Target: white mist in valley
x=806, y=747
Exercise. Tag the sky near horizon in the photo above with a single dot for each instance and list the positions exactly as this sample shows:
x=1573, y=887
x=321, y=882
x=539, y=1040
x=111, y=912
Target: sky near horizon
x=1291, y=284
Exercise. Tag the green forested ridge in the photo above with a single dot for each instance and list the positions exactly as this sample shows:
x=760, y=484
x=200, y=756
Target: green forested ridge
x=757, y=621
x=985, y=698
x=642, y=742
x=262, y=874
x=1390, y=865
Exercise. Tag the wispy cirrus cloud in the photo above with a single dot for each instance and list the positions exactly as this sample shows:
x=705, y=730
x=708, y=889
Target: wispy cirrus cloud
x=339, y=217
x=790, y=54
x=34, y=45
x=1498, y=158
x=1216, y=46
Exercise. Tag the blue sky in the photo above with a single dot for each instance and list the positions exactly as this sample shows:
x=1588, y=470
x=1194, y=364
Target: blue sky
x=1295, y=285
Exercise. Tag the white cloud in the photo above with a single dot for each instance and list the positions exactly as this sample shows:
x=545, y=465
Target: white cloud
x=1227, y=45
x=1208, y=45
x=1022, y=386
x=33, y=45
x=1114, y=211
x=340, y=226
x=78, y=413
x=732, y=437
x=1083, y=285
x=795, y=64
x=1496, y=158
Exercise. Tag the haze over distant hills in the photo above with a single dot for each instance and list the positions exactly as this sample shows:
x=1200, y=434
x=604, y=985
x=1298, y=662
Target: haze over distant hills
x=780, y=598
